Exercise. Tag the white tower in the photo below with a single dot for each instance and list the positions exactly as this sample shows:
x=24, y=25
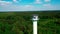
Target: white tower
x=35, y=18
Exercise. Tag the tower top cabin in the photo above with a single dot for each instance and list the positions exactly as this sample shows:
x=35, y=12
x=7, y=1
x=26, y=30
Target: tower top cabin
x=35, y=17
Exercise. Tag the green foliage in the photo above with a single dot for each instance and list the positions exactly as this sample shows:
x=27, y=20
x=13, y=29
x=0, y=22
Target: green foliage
x=21, y=23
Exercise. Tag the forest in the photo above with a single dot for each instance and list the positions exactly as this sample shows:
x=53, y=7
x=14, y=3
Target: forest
x=21, y=23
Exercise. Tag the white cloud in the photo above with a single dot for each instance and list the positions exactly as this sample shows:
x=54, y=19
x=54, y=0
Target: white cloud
x=38, y=2
x=28, y=6
x=47, y=0
x=50, y=7
x=18, y=8
x=7, y=6
x=25, y=7
x=5, y=3
x=47, y=5
x=15, y=1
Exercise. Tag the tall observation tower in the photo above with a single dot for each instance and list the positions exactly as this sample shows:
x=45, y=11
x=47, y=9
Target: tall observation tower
x=35, y=19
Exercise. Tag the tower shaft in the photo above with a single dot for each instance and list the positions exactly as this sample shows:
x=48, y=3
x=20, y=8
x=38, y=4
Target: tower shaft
x=34, y=27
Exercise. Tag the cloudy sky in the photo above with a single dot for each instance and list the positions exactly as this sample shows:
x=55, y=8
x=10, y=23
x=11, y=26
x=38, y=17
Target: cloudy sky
x=29, y=5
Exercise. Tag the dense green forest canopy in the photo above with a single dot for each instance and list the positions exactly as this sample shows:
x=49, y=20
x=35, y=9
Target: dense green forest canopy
x=21, y=23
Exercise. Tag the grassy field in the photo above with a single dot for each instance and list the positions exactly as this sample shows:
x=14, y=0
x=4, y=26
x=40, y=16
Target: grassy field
x=21, y=23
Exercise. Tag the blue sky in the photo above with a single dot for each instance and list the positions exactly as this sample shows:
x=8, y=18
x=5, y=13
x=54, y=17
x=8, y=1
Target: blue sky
x=29, y=5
